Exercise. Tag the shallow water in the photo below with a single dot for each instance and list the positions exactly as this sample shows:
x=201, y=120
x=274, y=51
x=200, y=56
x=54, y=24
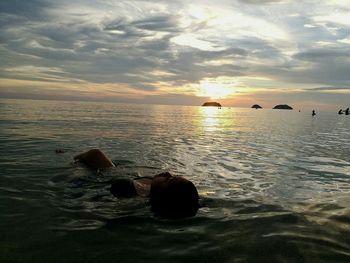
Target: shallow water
x=274, y=184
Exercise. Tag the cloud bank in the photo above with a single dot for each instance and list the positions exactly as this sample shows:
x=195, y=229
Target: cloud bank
x=175, y=52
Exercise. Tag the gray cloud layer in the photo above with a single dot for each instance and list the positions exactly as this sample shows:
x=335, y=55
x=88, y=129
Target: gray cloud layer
x=124, y=42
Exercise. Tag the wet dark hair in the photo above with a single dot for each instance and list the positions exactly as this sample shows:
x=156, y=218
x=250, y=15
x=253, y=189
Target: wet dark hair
x=173, y=197
x=123, y=187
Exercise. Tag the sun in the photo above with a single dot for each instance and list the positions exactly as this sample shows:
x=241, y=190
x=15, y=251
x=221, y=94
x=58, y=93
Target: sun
x=214, y=89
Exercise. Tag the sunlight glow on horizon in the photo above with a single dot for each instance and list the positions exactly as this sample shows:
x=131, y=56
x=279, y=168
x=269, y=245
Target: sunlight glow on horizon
x=218, y=88
x=214, y=90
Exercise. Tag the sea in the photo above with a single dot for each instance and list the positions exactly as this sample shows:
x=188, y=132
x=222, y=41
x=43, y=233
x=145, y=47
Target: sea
x=274, y=185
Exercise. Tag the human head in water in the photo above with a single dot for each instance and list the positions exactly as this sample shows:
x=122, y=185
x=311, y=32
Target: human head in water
x=173, y=196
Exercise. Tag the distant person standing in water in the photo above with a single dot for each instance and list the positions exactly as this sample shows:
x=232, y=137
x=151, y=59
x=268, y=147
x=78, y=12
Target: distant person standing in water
x=347, y=111
x=170, y=196
x=313, y=113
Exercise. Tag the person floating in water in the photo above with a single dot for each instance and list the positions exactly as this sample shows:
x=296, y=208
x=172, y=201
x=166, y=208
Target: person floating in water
x=170, y=196
x=340, y=111
x=347, y=111
x=313, y=113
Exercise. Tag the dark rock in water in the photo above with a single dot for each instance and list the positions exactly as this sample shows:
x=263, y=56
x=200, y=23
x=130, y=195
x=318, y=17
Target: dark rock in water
x=283, y=107
x=256, y=106
x=211, y=104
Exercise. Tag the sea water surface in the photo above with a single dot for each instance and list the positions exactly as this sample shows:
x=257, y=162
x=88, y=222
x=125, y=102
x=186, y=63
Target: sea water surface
x=274, y=184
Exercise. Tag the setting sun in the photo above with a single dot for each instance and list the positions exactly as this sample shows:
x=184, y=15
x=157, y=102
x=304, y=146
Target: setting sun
x=215, y=89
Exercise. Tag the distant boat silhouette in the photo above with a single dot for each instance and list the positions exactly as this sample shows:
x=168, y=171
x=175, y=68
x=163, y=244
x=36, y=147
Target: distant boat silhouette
x=256, y=106
x=211, y=104
x=283, y=107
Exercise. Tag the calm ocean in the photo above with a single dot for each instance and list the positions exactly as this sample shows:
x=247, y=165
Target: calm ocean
x=274, y=184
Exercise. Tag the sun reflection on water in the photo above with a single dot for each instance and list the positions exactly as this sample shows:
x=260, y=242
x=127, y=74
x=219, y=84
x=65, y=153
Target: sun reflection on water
x=210, y=118
x=213, y=119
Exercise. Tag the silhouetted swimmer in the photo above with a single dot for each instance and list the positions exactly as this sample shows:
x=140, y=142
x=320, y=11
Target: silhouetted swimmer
x=170, y=196
x=313, y=113
x=340, y=111
x=347, y=111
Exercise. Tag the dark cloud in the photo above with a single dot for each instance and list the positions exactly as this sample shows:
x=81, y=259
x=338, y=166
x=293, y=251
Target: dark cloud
x=330, y=89
x=126, y=30
x=123, y=51
x=331, y=73
x=323, y=54
x=33, y=9
x=157, y=23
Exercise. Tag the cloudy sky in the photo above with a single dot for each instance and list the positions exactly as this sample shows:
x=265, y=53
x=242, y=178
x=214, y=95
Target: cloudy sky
x=177, y=52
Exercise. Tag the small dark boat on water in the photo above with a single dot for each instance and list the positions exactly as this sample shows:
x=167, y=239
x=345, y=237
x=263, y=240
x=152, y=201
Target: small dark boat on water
x=211, y=104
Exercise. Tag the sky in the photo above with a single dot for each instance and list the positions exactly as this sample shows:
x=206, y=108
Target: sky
x=178, y=52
